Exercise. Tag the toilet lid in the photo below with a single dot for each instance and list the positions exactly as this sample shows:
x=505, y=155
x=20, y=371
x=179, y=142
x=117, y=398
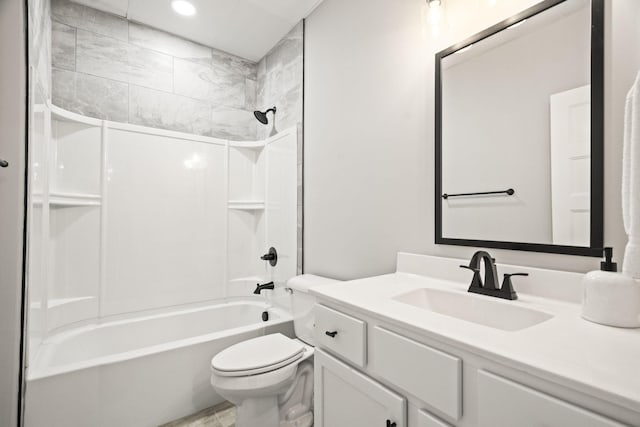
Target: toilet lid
x=257, y=355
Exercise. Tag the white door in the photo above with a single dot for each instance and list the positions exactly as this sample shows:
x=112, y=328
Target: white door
x=12, y=191
x=571, y=166
x=346, y=398
x=281, y=211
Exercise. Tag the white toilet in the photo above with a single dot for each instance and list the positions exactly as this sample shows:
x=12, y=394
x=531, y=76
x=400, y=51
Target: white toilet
x=270, y=378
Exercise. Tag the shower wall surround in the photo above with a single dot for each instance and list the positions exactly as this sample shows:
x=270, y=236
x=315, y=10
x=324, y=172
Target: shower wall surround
x=109, y=68
x=280, y=83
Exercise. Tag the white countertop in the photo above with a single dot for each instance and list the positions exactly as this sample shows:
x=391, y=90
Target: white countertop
x=594, y=359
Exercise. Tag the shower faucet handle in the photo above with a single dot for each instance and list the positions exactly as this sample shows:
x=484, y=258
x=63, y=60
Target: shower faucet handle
x=271, y=256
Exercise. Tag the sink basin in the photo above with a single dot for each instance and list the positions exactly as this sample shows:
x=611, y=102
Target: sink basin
x=474, y=308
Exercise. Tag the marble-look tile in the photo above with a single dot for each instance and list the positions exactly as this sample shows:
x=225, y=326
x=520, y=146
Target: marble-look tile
x=110, y=58
x=102, y=56
x=250, y=94
x=86, y=18
x=202, y=81
x=150, y=38
x=163, y=110
x=233, y=64
x=63, y=42
x=223, y=415
x=288, y=50
x=233, y=124
x=150, y=69
x=227, y=417
x=90, y=96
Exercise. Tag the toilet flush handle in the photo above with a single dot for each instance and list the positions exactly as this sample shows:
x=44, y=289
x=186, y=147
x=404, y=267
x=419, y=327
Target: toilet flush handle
x=332, y=334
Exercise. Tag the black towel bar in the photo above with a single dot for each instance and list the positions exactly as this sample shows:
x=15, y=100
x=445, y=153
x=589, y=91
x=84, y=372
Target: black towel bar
x=508, y=192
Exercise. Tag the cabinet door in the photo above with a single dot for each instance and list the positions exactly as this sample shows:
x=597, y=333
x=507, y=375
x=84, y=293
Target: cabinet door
x=346, y=398
x=502, y=402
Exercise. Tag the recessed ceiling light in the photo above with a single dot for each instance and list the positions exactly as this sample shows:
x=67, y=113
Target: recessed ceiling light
x=183, y=7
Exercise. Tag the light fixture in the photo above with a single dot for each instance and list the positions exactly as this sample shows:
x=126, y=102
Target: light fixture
x=435, y=12
x=183, y=7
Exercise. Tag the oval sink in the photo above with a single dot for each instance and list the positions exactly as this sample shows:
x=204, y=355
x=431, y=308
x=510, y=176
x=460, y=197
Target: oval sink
x=474, y=308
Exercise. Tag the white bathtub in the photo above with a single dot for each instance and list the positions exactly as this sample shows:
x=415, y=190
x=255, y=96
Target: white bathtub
x=141, y=371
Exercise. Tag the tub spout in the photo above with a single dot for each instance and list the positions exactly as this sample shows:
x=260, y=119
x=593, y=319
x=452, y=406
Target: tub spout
x=260, y=288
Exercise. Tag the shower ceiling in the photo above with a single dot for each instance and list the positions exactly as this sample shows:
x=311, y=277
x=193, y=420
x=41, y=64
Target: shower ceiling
x=247, y=28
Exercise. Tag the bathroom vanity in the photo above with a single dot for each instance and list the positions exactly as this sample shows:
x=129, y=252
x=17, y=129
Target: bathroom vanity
x=415, y=349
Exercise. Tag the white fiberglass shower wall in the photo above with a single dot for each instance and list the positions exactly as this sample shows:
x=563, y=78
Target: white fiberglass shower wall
x=127, y=222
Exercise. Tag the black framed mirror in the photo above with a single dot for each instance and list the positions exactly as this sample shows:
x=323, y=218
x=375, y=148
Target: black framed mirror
x=520, y=133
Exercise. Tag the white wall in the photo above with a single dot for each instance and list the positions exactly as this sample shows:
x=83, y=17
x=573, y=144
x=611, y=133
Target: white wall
x=369, y=130
x=12, y=148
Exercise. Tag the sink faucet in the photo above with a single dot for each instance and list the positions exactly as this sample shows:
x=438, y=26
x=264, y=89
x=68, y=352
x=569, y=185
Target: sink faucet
x=260, y=288
x=490, y=284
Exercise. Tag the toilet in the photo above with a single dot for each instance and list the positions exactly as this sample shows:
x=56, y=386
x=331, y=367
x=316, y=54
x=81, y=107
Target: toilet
x=270, y=378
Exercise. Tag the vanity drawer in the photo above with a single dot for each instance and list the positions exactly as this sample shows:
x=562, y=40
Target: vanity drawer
x=431, y=375
x=341, y=334
x=502, y=402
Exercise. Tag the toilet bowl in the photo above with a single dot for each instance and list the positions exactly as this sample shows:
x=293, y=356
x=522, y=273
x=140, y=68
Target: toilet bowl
x=270, y=378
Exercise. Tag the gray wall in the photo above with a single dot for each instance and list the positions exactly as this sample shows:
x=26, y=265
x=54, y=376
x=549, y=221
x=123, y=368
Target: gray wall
x=369, y=97
x=13, y=80
x=109, y=68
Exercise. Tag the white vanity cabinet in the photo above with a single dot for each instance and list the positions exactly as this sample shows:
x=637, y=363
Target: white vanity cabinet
x=378, y=374
x=345, y=397
x=502, y=402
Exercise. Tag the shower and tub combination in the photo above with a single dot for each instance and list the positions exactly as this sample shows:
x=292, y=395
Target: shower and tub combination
x=145, y=249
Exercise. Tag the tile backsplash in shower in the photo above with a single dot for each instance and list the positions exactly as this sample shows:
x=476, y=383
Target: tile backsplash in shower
x=109, y=68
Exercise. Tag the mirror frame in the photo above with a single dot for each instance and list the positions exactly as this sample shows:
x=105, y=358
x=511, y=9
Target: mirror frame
x=597, y=138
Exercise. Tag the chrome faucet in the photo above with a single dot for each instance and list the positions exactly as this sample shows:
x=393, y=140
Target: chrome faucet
x=490, y=284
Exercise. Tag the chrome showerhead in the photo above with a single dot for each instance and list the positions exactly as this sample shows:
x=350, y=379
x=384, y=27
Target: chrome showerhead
x=262, y=116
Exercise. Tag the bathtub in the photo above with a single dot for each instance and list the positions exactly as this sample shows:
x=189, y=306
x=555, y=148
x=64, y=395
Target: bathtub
x=141, y=371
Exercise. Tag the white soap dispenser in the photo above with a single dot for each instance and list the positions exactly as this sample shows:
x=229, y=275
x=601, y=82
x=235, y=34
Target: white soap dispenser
x=611, y=298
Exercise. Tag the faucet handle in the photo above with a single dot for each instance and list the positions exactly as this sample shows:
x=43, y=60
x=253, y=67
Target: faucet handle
x=507, y=285
x=476, y=282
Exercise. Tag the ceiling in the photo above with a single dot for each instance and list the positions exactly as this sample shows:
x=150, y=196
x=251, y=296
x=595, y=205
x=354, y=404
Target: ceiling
x=247, y=28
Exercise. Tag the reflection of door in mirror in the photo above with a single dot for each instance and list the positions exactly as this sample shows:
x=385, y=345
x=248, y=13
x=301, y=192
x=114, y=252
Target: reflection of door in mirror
x=570, y=165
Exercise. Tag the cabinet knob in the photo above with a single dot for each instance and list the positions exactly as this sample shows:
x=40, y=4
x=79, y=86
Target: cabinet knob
x=3, y=163
x=332, y=334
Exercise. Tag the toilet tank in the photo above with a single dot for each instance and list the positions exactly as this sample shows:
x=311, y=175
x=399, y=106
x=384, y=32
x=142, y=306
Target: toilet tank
x=302, y=303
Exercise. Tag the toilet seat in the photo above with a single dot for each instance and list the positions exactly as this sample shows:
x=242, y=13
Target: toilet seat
x=257, y=356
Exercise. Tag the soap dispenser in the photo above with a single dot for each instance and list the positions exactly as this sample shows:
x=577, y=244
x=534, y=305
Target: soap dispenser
x=611, y=298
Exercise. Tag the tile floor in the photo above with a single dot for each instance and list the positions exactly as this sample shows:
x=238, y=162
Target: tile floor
x=222, y=415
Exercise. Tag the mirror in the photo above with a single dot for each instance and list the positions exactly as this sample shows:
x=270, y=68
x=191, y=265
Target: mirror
x=519, y=133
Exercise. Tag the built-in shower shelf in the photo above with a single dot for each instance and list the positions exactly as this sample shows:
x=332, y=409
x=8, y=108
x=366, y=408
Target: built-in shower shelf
x=74, y=200
x=246, y=205
x=259, y=145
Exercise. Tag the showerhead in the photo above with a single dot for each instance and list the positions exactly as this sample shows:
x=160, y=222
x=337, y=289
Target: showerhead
x=262, y=116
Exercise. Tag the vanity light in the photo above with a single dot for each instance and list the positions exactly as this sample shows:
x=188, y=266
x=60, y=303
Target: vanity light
x=434, y=13
x=183, y=7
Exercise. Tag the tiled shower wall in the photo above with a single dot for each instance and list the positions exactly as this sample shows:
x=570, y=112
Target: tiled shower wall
x=39, y=15
x=280, y=84
x=109, y=68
